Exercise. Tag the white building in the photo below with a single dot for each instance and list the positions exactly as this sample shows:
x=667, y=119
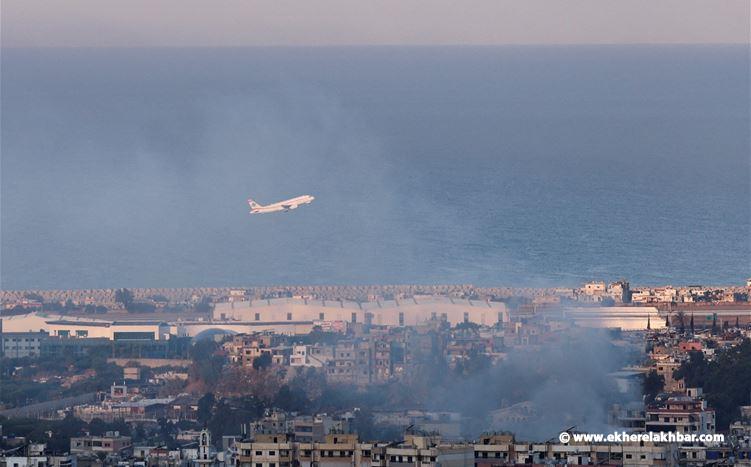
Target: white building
x=113, y=330
x=310, y=355
x=408, y=312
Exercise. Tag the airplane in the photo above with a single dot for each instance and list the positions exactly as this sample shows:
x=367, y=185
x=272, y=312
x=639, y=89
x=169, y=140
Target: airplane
x=286, y=205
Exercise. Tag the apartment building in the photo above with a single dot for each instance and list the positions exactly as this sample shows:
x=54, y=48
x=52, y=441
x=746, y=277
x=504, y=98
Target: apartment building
x=243, y=349
x=681, y=414
x=345, y=450
x=351, y=363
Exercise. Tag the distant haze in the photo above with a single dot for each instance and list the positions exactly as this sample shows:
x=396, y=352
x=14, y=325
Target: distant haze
x=94, y=23
x=530, y=165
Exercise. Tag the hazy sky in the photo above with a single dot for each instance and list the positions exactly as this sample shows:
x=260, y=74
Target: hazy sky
x=349, y=22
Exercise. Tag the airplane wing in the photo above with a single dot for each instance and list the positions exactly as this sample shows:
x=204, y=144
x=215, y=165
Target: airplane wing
x=287, y=206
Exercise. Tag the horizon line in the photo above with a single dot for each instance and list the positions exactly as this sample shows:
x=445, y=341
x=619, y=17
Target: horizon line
x=376, y=45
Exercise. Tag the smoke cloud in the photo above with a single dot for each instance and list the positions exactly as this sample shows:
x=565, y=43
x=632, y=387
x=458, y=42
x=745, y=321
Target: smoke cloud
x=557, y=386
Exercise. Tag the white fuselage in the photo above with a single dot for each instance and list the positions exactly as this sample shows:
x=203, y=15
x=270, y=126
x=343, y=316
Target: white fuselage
x=285, y=205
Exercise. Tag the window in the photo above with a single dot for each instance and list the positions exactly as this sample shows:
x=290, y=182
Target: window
x=354, y=318
x=289, y=316
x=401, y=318
x=466, y=316
x=133, y=335
x=258, y=316
x=321, y=316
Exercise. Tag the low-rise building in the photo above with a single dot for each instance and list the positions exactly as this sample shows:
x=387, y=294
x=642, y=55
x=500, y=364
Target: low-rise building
x=111, y=443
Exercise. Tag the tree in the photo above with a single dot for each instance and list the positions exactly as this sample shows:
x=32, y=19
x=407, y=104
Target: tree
x=205, y=408
x=124, y=297
x=693, y=371
x=291, y=400
x=167, y=431
x=207, y=364
x=311, y=381
x=652, y=385
x=262, y=361
x=140, y=433
x=204, y=306
x=726, y=379
x=222, y=422
x=364, y=425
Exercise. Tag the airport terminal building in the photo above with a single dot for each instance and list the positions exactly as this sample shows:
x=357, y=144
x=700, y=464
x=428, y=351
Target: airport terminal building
x=408, y=312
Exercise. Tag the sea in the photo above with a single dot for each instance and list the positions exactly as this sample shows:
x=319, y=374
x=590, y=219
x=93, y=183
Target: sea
x=493, y=166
